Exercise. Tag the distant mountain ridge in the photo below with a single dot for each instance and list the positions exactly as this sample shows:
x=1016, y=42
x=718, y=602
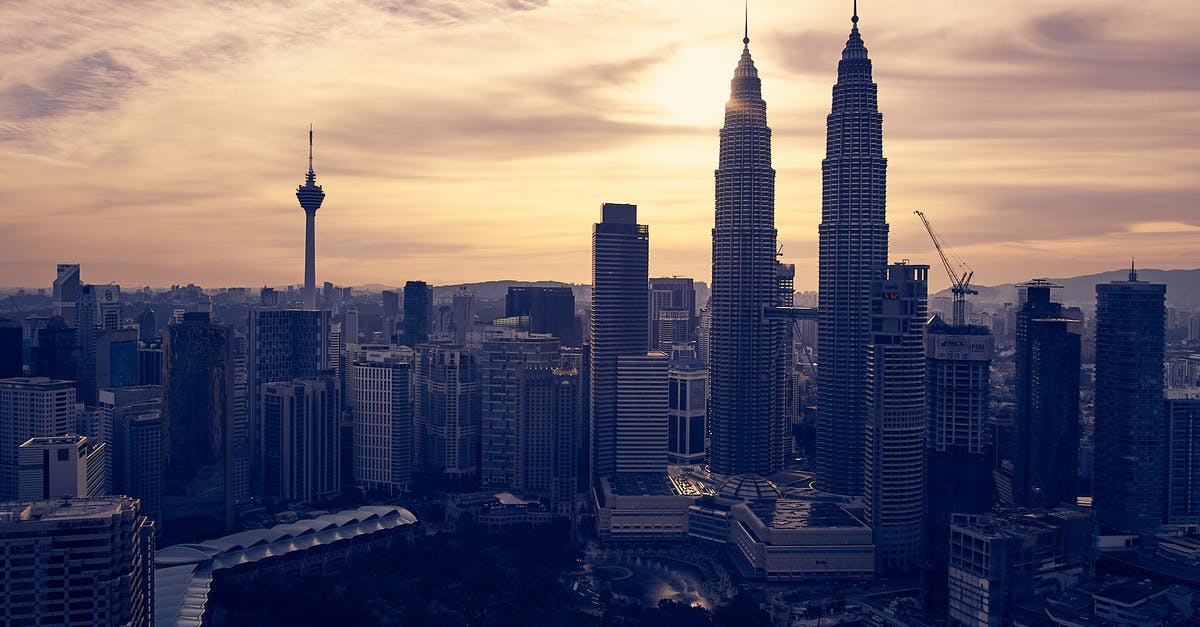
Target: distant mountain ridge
x=1183, y=287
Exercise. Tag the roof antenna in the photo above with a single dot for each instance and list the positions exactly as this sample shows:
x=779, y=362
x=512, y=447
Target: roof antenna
x=310, y=137
x=1132, y=271
x=746, y=31
x=854, y=18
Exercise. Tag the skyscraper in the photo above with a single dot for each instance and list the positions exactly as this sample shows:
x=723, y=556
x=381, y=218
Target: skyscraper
x=620, y=311
x=642, y=412
x=301, y=440
x=672, y=299
x=310, y=196
x=1131, y=424
x=418, y=312
x=66, y=291
x=198, y=433
x=550, y=310
x=687, y=408
x=547, y=416
x=894, y=486
x=383, y=435
x=501, y=358
x=448, y=409
x=1183, y=457
x=853, y=241
x=1045, y=440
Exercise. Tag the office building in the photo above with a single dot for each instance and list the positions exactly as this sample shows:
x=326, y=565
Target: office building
x=1130, y=479
x=98, y=310
x=687, y=378
x=1045, y=436
x=301, y=440
x=448, y=410
x=198, y=431
x=672, y=299
x=12, y=350
x=66, y=292
x=116, y=359
x=149, y=363
x=853, y=242
x=746, y=380
x=550, y=310
x=958, y=455
x=463, y=315
x=418, y=312
x=76, y=562
x=31, y=408
x=383, y=431
x=547, y=420
x=147, y=325
x=998, y=561
x=1183, y=457
x=500, y=358
x=310, y=196
x=619, y=316
x=391, y=315
x=283, y=345
x=62, y=466
x=135, y=417
x=642, y=412
x=897, y=418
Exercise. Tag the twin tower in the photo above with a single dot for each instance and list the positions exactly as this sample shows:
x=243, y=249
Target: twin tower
x=750, y=345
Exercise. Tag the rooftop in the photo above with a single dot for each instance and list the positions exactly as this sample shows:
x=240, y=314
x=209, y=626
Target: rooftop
x=64, y=509
x=796, y=514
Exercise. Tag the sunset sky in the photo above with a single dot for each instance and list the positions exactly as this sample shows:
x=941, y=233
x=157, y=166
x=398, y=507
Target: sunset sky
x=467, y=140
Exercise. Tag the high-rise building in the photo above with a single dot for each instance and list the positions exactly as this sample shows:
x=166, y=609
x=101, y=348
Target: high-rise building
x=1130, y=481
x=1045, y=437
x=1183, y=457
x=383, y=431
x=116, y=359
x=547, y=418
x=463, y=312
x=853, y=242
x=76, y=562
x=673, y=299
x=53, y=351
x=500, y=358
x=66, y=291
x=550, y=310
x=391, y=315
x=62, y=466
x=135, y=418
x=959, y=478
x=301, y=440
x=310, y=196
x=618, y=323
x=897, y=418
x=147, y=325
x=283, y=345
x=198, y=431
x=448, y=409
x=31, y=408
x=642, y=412
x=687, y=379
x=98, y=310
x=746, y=384
x=11, y=348
x=418, y=312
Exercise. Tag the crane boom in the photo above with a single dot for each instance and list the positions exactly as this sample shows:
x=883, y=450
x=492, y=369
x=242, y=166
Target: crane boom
x=960, y=277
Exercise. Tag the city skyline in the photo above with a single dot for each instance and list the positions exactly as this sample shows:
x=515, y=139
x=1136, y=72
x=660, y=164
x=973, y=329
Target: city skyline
x=178, y=132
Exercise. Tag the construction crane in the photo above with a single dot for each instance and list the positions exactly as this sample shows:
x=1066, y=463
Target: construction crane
x=959, y=272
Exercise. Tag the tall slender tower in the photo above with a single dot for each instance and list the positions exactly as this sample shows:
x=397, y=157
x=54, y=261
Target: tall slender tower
x=853, y=251
x=310, y=196
x=746, y=419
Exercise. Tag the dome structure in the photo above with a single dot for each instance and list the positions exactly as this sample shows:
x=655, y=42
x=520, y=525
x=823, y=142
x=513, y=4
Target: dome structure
x=749, y=488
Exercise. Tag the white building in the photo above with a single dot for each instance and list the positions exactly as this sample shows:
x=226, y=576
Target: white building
x=31, y=408
x=380, y=396
x=64, y=466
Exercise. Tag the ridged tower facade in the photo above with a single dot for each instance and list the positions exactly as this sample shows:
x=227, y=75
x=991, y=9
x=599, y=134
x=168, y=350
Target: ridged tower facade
x=746, y=412
x=853, y=251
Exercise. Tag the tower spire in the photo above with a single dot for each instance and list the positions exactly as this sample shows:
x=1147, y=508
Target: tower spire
x=854, y=17
x=310, y=140
x=746, y=26
x=1132, y=270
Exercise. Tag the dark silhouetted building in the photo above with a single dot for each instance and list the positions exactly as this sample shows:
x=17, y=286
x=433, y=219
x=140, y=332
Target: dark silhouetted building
x=448, y=409
x=1130, y=479
x=746, y=382
x=198, y=430
x=117, y=359
x=134, y=417
x=897, y=418
x=1045, y=448
x=959, y=476
x=853, y=241
x=1183, y=457
x=687, y=378
x=301, y=440
x=500, y=358
x=11, y=348
x=547, y=419
x=550, y=310
x=66, y=291
x=391, y=315
x=620, y=311
x=418, y=312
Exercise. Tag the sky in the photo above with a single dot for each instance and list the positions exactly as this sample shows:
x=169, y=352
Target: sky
x=161, y=143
